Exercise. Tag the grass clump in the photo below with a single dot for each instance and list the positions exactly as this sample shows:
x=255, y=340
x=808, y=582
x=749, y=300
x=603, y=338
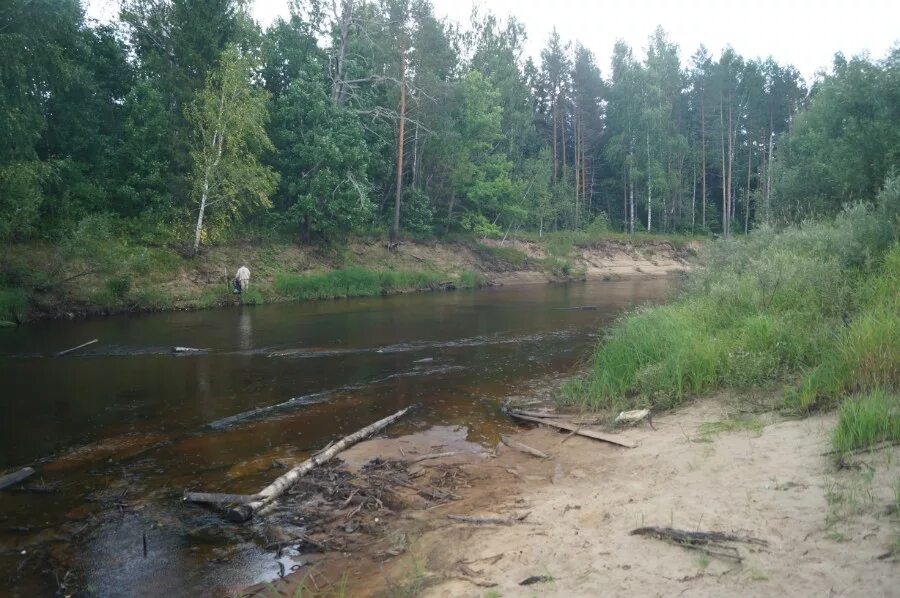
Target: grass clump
x=866, y=420
x=12, y=305
x=472, y=280
x=352, y=282
x=762, y=309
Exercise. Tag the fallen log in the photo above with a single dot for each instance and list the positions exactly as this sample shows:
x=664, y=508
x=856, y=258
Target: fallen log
x=216, y=498
x=267, y=495
x=15, y=477
x=523, y=447
x=81, y=346
x=574, y=429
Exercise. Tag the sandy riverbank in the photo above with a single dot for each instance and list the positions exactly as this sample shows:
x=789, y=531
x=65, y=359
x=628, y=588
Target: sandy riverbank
x=829, y=531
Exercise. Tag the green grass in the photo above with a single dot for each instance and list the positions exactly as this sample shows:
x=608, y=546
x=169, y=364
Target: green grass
x=763, y=309
x=12, y=305
x=866, y=420
x=471, y=280
x=709, y=430
x=352, y=282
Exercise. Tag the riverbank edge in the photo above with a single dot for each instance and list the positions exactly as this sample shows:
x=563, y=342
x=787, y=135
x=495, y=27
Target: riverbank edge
x=165, y=281
x=703, y=448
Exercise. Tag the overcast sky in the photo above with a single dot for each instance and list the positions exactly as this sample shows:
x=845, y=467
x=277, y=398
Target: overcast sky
x=805, y=33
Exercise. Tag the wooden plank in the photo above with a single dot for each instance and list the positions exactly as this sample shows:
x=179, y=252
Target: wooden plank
x=576, y=430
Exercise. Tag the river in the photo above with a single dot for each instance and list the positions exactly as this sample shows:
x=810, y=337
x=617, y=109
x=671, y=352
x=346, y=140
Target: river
x=118, y=430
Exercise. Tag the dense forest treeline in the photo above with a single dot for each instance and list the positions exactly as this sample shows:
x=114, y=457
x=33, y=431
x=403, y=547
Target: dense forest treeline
x=185, y=122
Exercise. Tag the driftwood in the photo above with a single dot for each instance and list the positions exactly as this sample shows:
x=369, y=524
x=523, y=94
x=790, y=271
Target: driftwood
x=220, y=499
x=523, y=447
x=186, y=350
x=267, y=495
x=488, y=520
x=15, y=477
x=574, y=429
x=433, y=456
x=529, y=581
x=702, y=541
x=81, y=346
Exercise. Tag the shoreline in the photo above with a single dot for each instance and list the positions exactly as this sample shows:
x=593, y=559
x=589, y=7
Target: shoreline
x=193, y=287
x=571, y=516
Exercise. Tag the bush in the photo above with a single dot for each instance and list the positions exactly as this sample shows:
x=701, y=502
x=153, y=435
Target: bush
x=12, y=305
x=119, y=286
x=252, y=297
x=352, y=282
x=761, y=309
x=866, y=420
x=471, y=280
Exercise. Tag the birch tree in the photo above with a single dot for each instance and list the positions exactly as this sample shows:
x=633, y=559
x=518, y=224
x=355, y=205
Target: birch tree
x=228, y=118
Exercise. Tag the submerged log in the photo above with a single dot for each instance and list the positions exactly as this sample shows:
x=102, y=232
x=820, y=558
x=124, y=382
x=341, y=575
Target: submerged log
x=15, y=477
x=267, y=495
x=81, y=346
x=575, y=429
x=523, y=447
x=220, y=499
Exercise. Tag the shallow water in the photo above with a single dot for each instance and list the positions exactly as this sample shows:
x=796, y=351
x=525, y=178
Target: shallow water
x=122, y=427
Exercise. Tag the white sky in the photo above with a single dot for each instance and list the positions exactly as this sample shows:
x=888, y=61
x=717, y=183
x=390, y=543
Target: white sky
x=805, y=33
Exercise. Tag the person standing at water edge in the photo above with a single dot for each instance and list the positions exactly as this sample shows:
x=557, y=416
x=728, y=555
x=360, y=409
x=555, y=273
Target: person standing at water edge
x=242, y=278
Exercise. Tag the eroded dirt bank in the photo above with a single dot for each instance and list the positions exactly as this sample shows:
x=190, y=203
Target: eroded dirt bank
x=161, y=280
x=830, y=530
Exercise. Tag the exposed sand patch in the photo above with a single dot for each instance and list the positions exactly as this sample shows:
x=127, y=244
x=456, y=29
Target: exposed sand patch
x=826, y=527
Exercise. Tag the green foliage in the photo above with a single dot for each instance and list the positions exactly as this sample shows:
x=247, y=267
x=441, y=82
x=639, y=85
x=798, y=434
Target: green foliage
x=761, y=309
x=471, y=280
x=352, y=282
x=12, y=305
x=865, y=420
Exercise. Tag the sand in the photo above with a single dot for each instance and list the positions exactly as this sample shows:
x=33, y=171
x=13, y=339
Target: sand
x=826, y=527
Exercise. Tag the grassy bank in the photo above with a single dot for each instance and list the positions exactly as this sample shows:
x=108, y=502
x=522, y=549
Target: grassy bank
x=813, y=309
x=99, y=270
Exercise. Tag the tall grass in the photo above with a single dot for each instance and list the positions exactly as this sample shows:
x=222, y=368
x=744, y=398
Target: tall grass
x=866, y=420
x=352, y=282
x=12, y=305
x=762, y=309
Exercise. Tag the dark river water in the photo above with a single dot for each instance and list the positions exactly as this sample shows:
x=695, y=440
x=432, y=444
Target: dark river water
x=118, y=430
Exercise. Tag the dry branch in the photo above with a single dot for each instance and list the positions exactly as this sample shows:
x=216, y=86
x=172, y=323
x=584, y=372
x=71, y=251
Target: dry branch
x=702, y=541
x=575, y=429
x=81, y=346
x=488, y=520
x=433, y=456
x=267, y=495
x=523, y=447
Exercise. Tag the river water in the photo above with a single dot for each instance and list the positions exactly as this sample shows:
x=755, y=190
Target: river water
x=118, y=430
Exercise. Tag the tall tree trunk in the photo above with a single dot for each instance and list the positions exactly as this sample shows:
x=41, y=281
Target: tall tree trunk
x=724, y=169
x=575, y=168
x=555, y=153
x=703, y=158
x=649, y=189
x=747, y=205
x=730, y=163
x=395, y=230
x=631, y=228
x=694, y=197
x=338, y=86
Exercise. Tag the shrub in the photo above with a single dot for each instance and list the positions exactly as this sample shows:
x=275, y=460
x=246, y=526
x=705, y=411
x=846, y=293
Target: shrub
x=12, y=305
x=866, y=420
x=252, y=297
x=119, y=286
x=471, y=280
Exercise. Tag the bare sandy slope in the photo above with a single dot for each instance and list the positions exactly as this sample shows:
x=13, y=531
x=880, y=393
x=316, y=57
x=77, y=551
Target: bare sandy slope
x=826, y=527
x=773, y=484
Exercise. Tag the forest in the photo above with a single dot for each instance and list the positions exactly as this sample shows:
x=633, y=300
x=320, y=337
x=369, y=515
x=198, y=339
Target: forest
x=184, y=123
